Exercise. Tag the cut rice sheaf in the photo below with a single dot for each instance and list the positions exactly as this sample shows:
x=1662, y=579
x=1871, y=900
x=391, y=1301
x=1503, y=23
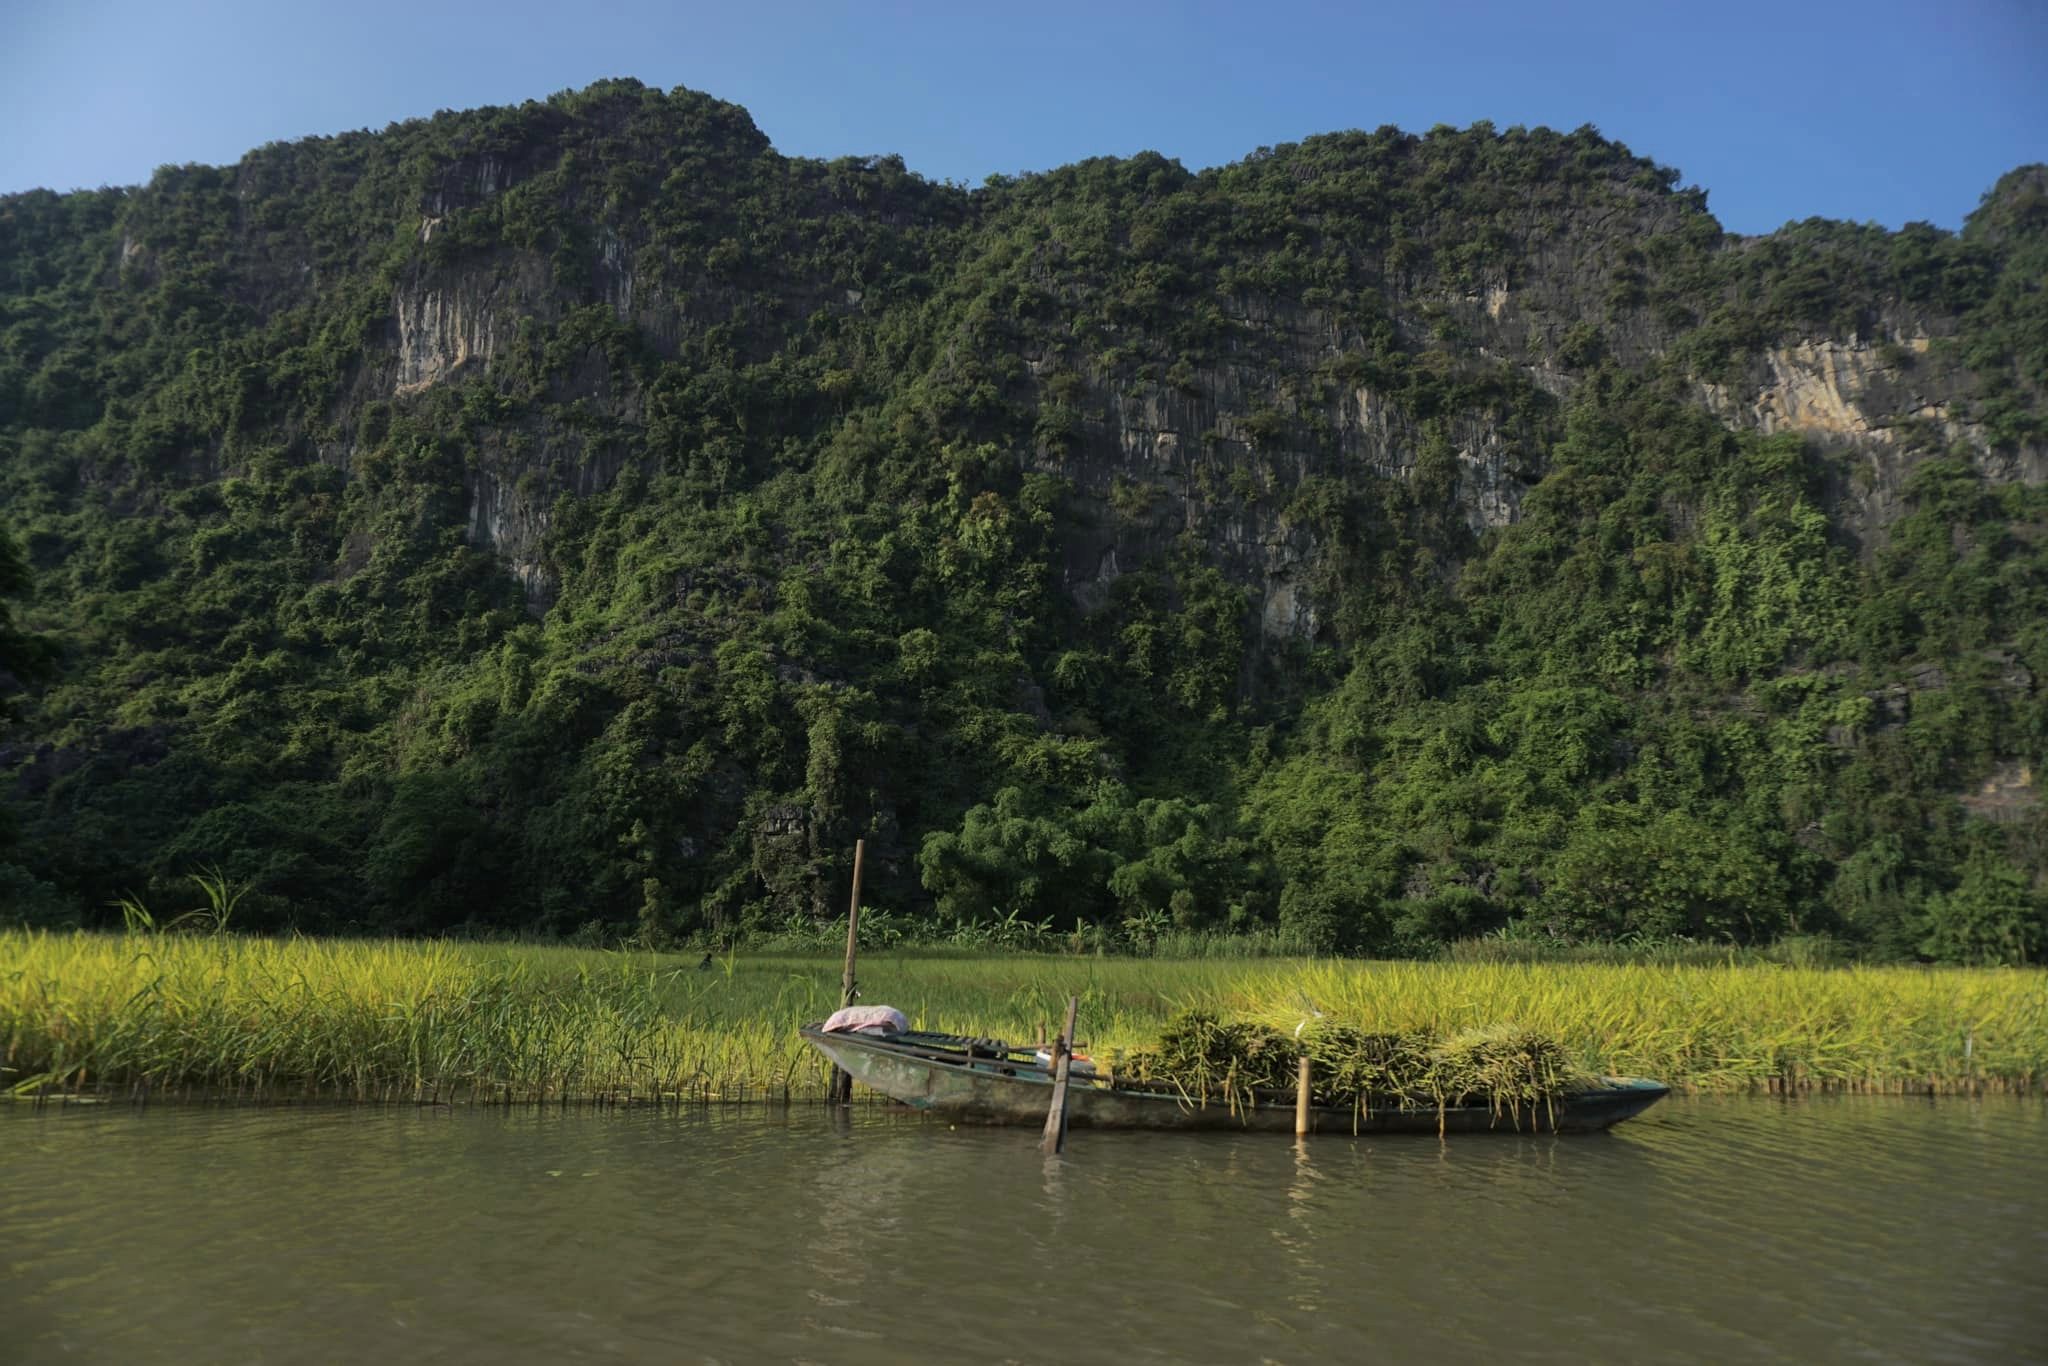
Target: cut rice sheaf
x=1209, y=1059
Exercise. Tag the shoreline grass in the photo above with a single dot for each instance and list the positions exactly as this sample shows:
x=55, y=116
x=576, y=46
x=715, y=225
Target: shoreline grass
x=167, y=1015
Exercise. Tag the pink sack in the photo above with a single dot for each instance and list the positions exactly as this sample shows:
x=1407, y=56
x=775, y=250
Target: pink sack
x=867, y=1020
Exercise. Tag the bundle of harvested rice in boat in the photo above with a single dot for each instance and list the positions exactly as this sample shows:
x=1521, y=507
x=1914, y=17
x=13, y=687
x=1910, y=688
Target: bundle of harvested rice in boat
x=1207, y=1059
x=1506, y=1067
x=1372, y=1071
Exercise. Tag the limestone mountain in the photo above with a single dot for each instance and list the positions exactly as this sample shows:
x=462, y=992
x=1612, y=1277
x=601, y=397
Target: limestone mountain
x=582, y=515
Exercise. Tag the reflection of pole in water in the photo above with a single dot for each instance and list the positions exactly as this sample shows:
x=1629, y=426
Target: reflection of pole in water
x=857, y=1199
x=1298, y=1191
x=1305, y=1294
x=858, y=1186
x=1054, y=1187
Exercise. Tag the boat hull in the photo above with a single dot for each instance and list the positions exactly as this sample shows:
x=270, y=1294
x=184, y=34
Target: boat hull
x=997, y=1091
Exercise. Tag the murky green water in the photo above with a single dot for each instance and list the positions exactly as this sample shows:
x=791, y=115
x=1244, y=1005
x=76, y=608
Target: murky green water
x=1849, y=1230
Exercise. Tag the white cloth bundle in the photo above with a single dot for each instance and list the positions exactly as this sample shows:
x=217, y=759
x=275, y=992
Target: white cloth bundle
x=867, y=1020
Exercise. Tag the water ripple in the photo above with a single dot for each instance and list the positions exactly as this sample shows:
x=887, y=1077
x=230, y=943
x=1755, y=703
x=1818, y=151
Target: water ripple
x=1864, y=1229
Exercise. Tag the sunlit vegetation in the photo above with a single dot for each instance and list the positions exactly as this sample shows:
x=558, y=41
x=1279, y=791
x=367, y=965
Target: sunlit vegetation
x=155, y=1015
x=807, y=453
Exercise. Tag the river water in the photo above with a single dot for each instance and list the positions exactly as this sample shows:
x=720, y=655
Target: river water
x=1858, y=1229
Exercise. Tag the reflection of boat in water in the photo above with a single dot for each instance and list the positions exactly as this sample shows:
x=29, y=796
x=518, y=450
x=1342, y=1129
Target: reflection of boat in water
x=987, y=1082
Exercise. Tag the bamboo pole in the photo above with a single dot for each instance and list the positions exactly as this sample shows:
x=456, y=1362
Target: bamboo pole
x=1301, y=1099
x=841, y=1089
x=1062, y=1058
x=846, y=991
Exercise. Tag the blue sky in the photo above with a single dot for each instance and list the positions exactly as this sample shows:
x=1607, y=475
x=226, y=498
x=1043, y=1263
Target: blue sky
x=1881, y=110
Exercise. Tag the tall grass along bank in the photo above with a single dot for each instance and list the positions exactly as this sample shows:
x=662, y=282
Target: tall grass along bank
x=164, y=1014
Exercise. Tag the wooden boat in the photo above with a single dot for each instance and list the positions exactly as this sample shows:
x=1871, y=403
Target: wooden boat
x=980, y=1081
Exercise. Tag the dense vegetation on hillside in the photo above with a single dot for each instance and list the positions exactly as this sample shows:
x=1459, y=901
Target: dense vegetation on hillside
x=581, y=518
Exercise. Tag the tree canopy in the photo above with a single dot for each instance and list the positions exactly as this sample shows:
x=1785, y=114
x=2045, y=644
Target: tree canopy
x=580, y=517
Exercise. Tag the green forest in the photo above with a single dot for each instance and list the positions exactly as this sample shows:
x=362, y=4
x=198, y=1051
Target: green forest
x=580, y=520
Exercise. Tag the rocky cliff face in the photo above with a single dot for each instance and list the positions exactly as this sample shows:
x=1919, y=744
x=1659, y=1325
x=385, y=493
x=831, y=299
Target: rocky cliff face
x=1219, y=452
x=1880, y=409
x=1573, y=271
x=1185, y=457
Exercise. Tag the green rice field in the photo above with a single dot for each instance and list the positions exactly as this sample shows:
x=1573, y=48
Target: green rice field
x=170, y=1015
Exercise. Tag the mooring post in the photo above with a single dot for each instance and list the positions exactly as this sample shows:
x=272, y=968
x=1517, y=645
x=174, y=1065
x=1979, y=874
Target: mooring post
x=1301, y=1099
x=1062, y=1059
x=841, y=1089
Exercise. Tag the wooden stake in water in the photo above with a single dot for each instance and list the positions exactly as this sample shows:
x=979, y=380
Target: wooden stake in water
x=1301, y=1099
x=841, y=1089
x=1062, y=1059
